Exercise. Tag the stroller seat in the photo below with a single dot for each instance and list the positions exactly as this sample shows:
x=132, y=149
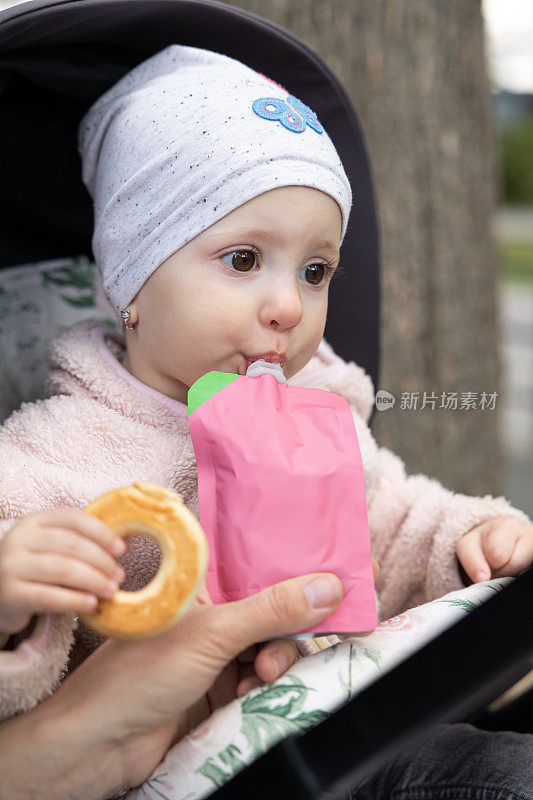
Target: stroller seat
x=37, y=301
x=56, y=58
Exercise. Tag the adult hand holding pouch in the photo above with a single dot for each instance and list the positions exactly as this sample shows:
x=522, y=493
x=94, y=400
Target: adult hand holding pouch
x=281, y=490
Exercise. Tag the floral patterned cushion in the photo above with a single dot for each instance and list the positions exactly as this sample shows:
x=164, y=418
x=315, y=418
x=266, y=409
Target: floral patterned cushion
x=36, y=302
x=235, y=735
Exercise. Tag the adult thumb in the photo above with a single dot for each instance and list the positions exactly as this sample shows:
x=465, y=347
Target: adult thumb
x=279, y=610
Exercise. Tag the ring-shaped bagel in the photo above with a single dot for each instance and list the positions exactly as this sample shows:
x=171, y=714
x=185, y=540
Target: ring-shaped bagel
x=160, y=513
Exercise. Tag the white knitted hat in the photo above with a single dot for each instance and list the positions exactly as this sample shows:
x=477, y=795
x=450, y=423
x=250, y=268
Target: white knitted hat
x=180, y=141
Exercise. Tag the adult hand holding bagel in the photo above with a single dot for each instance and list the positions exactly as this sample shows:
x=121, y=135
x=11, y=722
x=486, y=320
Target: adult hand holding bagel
x=113, y=719
x=172, y=658
x=161, y=513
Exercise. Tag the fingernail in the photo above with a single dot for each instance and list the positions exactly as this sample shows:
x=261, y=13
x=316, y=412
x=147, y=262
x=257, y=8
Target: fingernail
x=281, y=662
x=321, y=592
x=481, y=576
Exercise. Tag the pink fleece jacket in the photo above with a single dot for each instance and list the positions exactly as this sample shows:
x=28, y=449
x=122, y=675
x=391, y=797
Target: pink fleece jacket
x=101, y=429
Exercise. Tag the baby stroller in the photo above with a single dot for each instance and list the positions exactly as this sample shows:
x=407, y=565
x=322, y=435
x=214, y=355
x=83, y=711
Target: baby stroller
x=56, y=58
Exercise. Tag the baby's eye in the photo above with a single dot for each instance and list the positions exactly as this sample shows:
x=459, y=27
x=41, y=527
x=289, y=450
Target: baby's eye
x=320, y=271
x=241, y=260
x=245, y=260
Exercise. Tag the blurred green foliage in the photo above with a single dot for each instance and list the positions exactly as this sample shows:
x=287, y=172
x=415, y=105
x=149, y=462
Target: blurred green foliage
x=516, y=147
x=516, y=259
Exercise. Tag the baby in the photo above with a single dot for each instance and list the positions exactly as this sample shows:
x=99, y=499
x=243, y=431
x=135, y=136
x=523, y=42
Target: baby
x=220, y=208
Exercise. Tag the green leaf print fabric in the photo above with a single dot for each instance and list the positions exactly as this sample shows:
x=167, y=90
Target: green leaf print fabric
x=37, y=301
x=234, y=736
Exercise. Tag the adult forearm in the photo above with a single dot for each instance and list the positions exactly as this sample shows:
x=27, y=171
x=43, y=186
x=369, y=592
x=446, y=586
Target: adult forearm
x=88, y=740
x=58, y=752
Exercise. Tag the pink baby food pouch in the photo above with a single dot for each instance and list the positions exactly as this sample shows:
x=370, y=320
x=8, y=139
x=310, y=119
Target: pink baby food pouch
x=281, y=490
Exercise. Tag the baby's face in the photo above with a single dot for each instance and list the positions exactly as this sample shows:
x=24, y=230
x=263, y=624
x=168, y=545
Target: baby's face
x=255, y=281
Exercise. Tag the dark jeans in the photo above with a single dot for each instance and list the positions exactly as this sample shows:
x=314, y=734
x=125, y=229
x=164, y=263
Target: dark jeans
x=456, y=762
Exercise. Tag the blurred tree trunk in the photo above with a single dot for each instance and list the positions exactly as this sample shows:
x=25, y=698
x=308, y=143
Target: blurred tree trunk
x=415, y=71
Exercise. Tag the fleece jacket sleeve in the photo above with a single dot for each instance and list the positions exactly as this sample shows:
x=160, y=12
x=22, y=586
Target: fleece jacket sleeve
x=415, y=524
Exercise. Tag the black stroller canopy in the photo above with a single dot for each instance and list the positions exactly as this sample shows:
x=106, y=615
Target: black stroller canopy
x=58, y=56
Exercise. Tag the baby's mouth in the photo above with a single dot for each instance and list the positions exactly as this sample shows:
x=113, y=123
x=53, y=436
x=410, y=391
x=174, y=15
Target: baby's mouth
x=271, y=359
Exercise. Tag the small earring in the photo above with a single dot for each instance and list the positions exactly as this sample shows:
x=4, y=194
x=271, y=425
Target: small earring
x=125, y=317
